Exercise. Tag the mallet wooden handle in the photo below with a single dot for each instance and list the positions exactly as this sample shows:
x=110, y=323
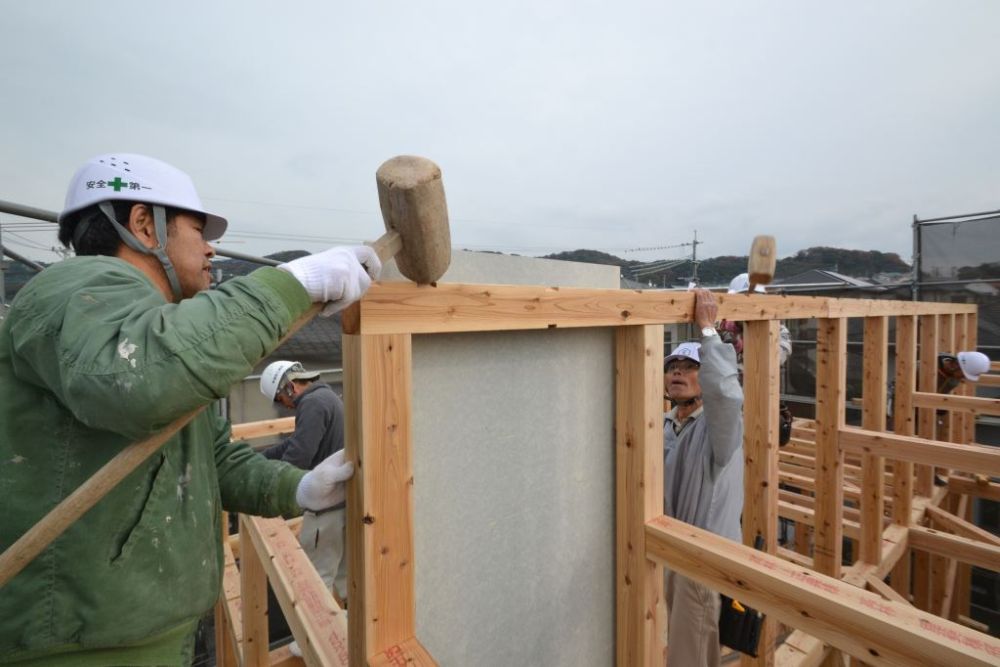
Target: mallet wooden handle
x=52, y=525
x=387, y=245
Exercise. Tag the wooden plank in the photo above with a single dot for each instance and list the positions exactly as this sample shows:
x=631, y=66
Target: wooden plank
x=876, y=585
x=989, y=380
x=795, y=557
x=951, y=577
x=377, y=391
x=260, y=429
x=403, y=307
x=873, y=416
x=807, y=516
x=969, y=389
x=902, y=415
x=961, y=527
x=760, y=451
x=974, y=487
x=639, y=617
x=317, y=623
x=973, y=552
x=972, y=458
x=971, y=404
x=410, y=653
x=831, y=370
x=253, y=595
x=927, y=383
x=849, y=618
x=800, y=650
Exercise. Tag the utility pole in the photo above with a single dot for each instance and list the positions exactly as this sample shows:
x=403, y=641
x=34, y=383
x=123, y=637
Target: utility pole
x=694, y=257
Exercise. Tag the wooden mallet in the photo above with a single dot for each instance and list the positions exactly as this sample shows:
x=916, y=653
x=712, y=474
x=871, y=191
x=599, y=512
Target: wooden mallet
x=763, y=258
x=411, y=196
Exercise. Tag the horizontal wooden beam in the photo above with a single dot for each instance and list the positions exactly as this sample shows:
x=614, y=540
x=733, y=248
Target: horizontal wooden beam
x=973, y=552
x=961, y=527
x=260, y=429
x=853, y=620
x=974, y=404
x=969, y=458
x=972, y=487
x=403, y=307
x=318, y=624
x=989, y=381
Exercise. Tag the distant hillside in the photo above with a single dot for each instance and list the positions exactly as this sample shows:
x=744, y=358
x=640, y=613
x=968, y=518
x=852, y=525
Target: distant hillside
x=720, y=270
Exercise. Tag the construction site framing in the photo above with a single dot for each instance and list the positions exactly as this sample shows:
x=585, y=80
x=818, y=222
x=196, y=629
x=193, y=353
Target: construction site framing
x=904, y=600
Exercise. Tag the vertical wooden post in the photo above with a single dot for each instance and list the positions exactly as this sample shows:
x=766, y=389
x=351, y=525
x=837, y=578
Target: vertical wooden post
x=253, y=596
x=760, y=450
x=926, y=419
x=902, y=424
x=949, y=430
x=963, y=579
x=639, y=616
x=377, y=391
x=831, y=371
x=225, y=652
x=873, y=418
x=971, y=343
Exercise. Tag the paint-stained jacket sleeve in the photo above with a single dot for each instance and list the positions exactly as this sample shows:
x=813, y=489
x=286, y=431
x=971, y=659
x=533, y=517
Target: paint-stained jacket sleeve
x=122, y=360
x=723, y=399
x=251, y=484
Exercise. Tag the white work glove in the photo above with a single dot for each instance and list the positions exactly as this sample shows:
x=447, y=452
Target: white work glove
x=337, y=277
x=323, y=486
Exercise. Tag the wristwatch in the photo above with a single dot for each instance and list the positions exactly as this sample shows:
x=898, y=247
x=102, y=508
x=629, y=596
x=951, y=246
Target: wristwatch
x=709, y=331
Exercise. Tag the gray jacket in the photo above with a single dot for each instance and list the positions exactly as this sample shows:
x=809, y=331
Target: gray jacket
x=319, y=428
x=703, y=464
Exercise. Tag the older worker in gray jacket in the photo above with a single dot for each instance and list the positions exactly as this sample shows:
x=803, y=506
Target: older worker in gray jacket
x=702, y=473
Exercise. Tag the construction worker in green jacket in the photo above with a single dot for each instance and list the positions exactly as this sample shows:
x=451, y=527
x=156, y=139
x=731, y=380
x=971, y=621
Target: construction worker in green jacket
x=107, y=348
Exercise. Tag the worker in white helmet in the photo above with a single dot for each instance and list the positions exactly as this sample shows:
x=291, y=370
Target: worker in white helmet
x=107, y=348
x=319, y=433
x=953, y=369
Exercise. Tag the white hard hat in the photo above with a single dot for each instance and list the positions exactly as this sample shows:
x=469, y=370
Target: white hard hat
x=278, y=372
x=741, y=284
x=124, y=176
x=973, y=364
x=684, y=351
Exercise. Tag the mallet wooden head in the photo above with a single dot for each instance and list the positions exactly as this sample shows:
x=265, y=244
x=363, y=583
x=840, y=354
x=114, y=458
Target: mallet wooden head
x=763, y=258
x=411, y=196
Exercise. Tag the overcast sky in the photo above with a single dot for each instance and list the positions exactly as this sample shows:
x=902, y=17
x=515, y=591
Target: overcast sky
x=558, y=125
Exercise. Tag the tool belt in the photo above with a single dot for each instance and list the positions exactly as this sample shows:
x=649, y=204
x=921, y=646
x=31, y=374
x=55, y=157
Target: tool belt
x=739, y=626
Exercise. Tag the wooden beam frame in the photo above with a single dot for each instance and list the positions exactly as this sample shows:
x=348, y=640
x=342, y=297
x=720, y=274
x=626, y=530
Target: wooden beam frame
x=378, y=383
x=877, y=631
x=970, y=458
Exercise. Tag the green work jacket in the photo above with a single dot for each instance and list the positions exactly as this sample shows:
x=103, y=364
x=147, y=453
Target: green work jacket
x=92, y=358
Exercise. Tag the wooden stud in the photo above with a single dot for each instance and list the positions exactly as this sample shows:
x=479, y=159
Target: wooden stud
x=377, y=391
x=873, y=416
x=831, y=365
x=902, y=415
x=927, y=383
x=638, y=493
x=760, y=451
x=253, y=594
x=317, y=623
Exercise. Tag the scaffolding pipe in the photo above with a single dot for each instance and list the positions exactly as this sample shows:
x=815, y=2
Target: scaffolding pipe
x=50, y=216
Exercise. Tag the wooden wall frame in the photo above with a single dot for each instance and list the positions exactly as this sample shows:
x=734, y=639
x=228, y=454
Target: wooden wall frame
x=846, y=608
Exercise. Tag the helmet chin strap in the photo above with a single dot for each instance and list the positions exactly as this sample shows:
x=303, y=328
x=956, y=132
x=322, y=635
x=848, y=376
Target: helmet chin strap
x=687, y=402
x=160, y=225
